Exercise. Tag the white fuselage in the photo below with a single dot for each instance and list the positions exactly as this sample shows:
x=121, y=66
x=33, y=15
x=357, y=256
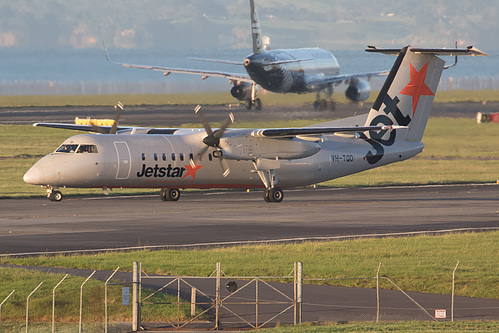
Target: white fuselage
x=163, y=161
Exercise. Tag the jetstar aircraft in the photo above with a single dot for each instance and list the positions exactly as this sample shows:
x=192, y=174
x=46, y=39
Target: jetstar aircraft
x=299, y=71
x=272, y=159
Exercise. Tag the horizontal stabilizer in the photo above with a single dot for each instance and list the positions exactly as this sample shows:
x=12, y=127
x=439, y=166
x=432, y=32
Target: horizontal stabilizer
x=469, y=51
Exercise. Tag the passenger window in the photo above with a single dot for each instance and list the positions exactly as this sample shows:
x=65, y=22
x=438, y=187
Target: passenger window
x=173, y=157
x=155, y=156
x=164, y=157
x=181, y=156
x=143, y=157
x=67, y=149
x=191, y=157
x=210, y=157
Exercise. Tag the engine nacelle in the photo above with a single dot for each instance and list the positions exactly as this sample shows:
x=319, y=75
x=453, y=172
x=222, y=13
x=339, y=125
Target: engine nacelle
x=249, y=148
x=358, y=90
x=241, y=91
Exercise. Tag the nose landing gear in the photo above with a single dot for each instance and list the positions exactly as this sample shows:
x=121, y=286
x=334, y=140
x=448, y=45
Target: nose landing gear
x=53, y=193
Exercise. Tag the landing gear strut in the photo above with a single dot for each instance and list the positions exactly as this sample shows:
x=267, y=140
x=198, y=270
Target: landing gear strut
x=169, y=194
x=253, y=101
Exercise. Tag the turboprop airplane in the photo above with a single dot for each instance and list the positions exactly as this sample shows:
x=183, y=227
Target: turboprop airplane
x=273, y=159
x=299, y=71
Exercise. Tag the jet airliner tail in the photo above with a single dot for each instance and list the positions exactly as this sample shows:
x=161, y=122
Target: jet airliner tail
x=407, y=95
x=256, y=31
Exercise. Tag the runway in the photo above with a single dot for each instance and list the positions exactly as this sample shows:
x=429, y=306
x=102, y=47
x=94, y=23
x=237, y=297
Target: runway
x=235, y=217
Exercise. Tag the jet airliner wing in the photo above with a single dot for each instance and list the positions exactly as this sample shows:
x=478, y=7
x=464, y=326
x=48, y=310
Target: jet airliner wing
x=204, y=73
x=336, y=79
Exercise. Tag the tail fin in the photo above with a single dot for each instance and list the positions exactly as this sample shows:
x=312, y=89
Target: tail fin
x=407, y=95
x=256, y=31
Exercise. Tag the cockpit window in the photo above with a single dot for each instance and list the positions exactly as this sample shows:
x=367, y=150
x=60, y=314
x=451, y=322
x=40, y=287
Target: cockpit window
x=67, y=149
x=72, y=148
x=87, y=149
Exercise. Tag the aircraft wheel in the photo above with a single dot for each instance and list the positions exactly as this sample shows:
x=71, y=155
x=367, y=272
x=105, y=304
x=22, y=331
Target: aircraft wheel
x=172, y=194
x=276, y=194
x=162, y=194
x=258, y=104
x=323, y=104
x=332, y=105
x=55, y=196
x=247, y=104
x=317, y=105
x=266, y=195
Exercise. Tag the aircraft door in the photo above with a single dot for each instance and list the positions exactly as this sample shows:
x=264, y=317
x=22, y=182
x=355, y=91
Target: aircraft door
x=124, y=160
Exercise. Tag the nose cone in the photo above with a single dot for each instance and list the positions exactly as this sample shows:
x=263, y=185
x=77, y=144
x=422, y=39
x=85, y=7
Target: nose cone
x=32, y=176
x=42, y=173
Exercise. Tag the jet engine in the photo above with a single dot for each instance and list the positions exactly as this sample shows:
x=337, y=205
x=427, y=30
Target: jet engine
x=358, y=90
x=241, y=91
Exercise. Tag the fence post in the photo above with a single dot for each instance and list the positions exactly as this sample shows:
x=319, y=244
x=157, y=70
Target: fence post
x=452, y=305
x=217, y=298
x=193, y=301
x=105, y=299
x=5, y=300
x=53, y=302
x=298, y=292
x=27, y=305
x=377, y=293
x=81, y=300
x=135, y=304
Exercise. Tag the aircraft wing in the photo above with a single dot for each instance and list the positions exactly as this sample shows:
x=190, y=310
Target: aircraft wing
x=336, y=79
x=204, y=73
x=84, y=128
x=107, y=129
x=291, y=132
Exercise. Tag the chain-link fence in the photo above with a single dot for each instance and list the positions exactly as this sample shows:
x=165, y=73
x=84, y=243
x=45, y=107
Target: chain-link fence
x=118, y=301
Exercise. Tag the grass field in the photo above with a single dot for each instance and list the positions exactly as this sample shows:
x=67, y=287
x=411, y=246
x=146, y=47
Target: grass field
x=217, y=98
x=422, y=263
x=460, y=145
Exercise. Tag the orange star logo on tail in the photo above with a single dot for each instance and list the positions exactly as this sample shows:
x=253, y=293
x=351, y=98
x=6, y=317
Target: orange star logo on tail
x=191, y=170
x=416, y=87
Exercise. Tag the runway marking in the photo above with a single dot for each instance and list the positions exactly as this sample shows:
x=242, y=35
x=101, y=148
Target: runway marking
x=268, y=241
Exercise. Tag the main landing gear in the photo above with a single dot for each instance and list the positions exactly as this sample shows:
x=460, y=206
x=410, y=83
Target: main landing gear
x=257, y=103
x=169, y=194
x=274, y=194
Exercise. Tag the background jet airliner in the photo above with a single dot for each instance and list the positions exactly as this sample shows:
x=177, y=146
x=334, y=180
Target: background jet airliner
x=271, y=159
x=282, y=71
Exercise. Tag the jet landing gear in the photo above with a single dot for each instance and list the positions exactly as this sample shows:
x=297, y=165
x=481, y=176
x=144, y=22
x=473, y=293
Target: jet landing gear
x=53, y=193
x=257, y=103
x=169, y=194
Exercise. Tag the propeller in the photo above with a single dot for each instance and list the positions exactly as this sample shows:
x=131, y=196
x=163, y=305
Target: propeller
x=213, y=140
x=98, y=129
x=119, y=108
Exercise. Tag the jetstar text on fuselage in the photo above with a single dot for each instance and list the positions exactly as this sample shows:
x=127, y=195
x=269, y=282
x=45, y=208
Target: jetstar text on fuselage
x=160, y=172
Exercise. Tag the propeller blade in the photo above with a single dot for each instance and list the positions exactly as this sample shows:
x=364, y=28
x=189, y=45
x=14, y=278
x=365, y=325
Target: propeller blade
x=225, y=166
x=202, y=117
x=199, y=156
x=119, y=108
x=229, y=120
